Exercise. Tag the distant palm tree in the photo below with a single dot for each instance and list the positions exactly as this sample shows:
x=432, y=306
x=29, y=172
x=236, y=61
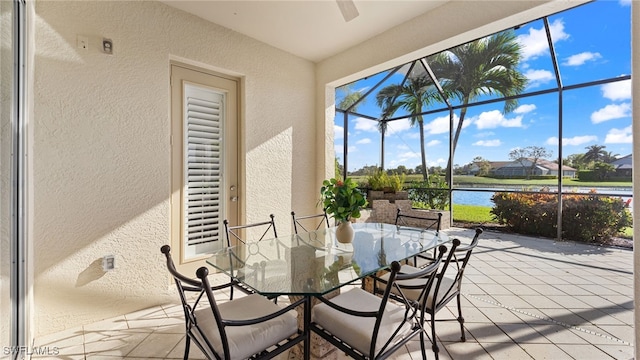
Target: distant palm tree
x=609, y=157
x=349, y=97
x=415, y=94
x=595, y=153
x=483, y=67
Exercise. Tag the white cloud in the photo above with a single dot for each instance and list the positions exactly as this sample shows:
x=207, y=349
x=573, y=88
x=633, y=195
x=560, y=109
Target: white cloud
x=493, y=119
x=363, y=141
x=552, y=141
x=367, y=125
x=433, y=143
x=409, y=155
x=620, y=90
x=440, y=125
x=619, y=136
x=439, y=161
x=574, y=141
x=398, y=126
x=407, y=159
x=488, y=143
x=534, y=44
x=538, y=77
x=523, y=109
x=484, y=134
x=338, y=132
x=610, y=112
x=580, y=59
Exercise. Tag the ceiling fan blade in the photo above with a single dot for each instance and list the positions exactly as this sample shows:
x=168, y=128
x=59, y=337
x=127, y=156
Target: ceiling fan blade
x=348, y=9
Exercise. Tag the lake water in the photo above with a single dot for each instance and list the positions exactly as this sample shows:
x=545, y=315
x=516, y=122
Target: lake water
x=482, y=198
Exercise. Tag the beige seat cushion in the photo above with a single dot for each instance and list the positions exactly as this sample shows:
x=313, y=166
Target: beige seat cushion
x=245, y=341
x=414, y=293
x=357, y=331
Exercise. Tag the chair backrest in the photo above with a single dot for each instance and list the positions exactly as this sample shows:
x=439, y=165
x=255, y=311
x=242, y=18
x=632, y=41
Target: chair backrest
x=308, y=223
x=237, y=233
x=190, y=304
x=449, y=278
x=428, y=221
x=397, y=285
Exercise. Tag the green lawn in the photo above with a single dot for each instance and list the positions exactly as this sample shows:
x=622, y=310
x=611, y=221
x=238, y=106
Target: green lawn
x=472, y=214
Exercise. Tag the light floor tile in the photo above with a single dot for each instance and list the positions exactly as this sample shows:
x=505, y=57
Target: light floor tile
x=156, y=345
x=583, y=352
x=544, y=351
x=587, y=313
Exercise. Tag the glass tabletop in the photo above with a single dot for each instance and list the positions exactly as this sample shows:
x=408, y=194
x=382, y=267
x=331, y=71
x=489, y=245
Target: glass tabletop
x=314, y=263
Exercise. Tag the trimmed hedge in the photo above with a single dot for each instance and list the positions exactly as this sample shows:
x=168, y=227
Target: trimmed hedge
x=587, y=217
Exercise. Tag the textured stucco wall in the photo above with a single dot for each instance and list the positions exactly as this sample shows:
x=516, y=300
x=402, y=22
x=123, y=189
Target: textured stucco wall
x=102, y=154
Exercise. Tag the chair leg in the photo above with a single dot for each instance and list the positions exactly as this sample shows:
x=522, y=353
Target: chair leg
x=461, y=319
x=434, y=341
x=186, y=348
x=422, y=348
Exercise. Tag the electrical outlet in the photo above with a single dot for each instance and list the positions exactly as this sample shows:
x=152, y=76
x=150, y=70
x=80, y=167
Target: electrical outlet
x=82, y=42
x=108, y=263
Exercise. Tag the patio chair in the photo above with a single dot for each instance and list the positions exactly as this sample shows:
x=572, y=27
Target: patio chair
x=366, y=326
x=248, y=327
x=238, y=234
x=308, y=223
x=427, y=221
x=447, y=286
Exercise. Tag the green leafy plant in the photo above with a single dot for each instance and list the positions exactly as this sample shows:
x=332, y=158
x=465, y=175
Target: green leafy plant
x=342, y=199
x=430, y=195
x=378, y=180
x=585, y=217
x=396, y=181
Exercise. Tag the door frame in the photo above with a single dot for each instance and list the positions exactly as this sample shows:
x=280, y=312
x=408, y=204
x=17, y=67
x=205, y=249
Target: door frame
x=233, y=157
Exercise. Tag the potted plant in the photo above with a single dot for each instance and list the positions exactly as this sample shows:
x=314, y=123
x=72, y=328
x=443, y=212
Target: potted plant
x=343, y=201
x=384, y=186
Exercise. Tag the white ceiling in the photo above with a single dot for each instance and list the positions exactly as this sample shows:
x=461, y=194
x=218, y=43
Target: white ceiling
x=311, y=29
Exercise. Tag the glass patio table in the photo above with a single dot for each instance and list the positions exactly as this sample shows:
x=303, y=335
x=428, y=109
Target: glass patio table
x=316, y=264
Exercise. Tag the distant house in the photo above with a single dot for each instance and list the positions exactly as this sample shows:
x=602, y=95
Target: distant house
x=623, y=165
x=475, y=168
x=517, y=169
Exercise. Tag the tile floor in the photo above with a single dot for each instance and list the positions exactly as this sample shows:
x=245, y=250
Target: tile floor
x=524, y=298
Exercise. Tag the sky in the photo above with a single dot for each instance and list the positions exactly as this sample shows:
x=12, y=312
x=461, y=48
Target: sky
x=592, y=42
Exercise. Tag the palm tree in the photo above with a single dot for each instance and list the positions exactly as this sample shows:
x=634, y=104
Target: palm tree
x=483, y=67
x=349, y=97
x=412, y=95
x=609, y=157
x=595, y=153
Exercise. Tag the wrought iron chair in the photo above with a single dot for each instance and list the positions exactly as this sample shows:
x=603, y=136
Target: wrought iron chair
x=238, y=234
x=447, y=286
x=248, y=327
x=366, y=326
x=428, y=221
x=309, y=223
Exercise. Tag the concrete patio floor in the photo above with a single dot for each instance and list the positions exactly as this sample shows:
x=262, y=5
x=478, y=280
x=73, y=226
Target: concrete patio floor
x=524, y=298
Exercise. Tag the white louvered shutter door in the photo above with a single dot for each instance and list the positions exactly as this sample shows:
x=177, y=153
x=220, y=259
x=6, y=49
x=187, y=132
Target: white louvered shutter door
x=203, y=166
